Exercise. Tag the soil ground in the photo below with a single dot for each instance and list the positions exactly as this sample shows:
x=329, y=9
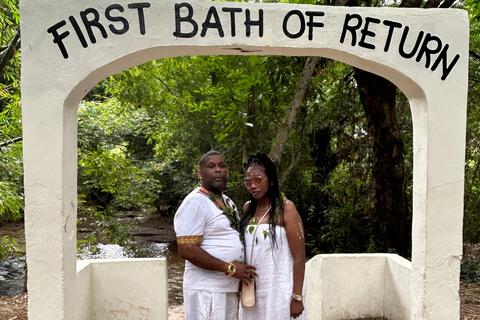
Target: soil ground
x=15, y=307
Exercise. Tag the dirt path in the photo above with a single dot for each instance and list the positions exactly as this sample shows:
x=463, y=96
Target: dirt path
x=15, y=308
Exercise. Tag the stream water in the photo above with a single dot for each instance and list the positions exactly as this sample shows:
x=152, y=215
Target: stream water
x=153, y=237
x=169, y=251
x=12, y=270
x=11, y=276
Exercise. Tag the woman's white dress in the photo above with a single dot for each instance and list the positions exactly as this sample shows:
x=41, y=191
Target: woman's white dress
x=274, y=283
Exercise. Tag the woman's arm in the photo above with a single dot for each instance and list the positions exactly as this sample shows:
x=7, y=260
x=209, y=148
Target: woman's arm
x=296, y=240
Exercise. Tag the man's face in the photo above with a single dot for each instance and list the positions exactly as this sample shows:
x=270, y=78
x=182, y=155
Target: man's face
x=214, y=174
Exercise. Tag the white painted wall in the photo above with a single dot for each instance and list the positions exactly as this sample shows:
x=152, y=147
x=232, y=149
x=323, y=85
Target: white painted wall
x=84, y=292
x=53, y=85
x=133, y=289
x=397, y=296
x=353, y=286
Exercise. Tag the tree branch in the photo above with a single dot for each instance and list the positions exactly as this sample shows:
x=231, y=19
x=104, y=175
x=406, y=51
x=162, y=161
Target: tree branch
x=432, y=3
x=288, y=170
x=161, y=81
x=7, y=142
x=474, y=54
x=292, y=110
x=447, y=4
x=7, y=55
x=410, y=3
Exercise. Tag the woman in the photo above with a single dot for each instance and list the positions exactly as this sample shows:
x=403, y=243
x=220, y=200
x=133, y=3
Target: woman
x=278, y=245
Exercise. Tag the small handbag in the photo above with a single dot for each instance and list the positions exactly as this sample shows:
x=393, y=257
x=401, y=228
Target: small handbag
x=247, y=295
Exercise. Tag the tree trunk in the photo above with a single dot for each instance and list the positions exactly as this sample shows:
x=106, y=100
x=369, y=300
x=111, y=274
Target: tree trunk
x=391, y=218
x=292, y=111
x=7, y=54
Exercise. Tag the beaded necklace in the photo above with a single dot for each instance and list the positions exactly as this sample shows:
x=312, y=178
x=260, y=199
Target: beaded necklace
x=228, y=209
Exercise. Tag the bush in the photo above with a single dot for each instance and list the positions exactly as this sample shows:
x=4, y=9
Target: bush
x=470, y=271
x=9, y=248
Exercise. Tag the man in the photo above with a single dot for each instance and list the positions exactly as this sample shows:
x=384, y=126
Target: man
x=207, y=228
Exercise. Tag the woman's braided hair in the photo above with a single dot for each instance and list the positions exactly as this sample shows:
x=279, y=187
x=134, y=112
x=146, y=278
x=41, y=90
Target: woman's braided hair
x=276, y=199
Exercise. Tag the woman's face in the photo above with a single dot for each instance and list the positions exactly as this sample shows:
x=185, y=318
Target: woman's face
x=256, y=181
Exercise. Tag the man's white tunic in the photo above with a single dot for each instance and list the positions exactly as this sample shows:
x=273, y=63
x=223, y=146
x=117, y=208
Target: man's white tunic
x=199, y=221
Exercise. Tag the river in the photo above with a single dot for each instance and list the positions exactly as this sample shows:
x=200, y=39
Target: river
x=12, y=276
x=153, y=237
x=147, y=250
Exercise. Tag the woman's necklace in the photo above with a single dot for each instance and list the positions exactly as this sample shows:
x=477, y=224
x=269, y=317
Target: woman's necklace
x=264, y=209
x=254, y=220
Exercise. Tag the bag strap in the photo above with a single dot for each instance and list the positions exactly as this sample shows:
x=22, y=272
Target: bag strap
x=254, y=233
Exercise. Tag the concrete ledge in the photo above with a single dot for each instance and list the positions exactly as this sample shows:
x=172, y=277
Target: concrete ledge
x=132, y=289
x=352, y=286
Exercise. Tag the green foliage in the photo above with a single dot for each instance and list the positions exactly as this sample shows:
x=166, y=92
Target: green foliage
x=167, y=184
x=11, y=203
x=118, y=172
x=347, y=225
x=11, y=183
x=11, y=173
x=473, y=8
x=9, y=248
x=107, y=173
x=470, y=271
x=141, y=133
x=232, y=104
x=89, y=242
x=9, y=64
x=471, y=225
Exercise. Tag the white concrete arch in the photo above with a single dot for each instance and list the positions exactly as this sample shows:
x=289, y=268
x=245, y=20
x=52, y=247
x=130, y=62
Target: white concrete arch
x=67, y=48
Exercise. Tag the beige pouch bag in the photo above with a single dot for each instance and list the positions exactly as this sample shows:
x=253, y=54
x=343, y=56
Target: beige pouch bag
x=247, y=295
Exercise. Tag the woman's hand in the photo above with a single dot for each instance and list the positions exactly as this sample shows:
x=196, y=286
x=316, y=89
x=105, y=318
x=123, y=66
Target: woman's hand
x=296, y=308
x=296, y=241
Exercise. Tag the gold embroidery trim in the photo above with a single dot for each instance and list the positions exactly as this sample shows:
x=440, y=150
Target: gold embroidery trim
x=190, y=239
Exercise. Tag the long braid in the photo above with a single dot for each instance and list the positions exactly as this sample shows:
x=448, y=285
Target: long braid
x=276, y=199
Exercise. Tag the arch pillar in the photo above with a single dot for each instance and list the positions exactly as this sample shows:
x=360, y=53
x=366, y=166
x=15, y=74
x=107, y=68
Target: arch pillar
x=68, y=48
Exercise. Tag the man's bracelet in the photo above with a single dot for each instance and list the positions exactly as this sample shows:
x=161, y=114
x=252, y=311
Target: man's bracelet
x=231, y=269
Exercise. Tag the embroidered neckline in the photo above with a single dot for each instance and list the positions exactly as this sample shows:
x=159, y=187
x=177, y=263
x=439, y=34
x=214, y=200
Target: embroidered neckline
x=228, y=208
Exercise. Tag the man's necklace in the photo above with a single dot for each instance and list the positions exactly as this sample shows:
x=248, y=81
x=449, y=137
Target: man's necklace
x=228, y=209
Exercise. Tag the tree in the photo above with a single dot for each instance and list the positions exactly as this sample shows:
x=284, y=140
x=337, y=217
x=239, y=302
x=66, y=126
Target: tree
x=392, y=215
x=292, y=110
x=118, y=173
x=471, y=229
x=11, y=173
x=393, y=222
x=142, y=131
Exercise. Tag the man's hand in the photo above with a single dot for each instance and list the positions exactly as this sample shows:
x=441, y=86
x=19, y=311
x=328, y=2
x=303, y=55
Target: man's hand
x=244, y=272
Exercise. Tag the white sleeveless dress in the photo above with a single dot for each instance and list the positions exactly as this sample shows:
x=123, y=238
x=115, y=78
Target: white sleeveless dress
x=274, y=283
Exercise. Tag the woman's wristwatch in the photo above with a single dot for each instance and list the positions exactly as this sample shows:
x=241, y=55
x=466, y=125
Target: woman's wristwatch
x=231, y=269
x=297, y=297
